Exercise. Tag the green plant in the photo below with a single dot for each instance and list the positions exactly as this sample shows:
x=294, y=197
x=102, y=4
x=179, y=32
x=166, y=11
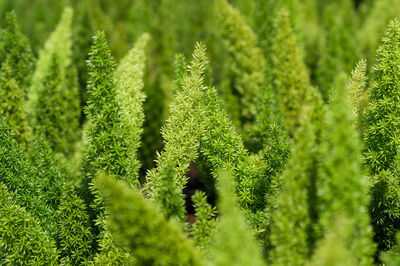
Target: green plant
x=54, y=94
x=181, y=140
x=232, y=243
x=16, y=61
x=133, y=221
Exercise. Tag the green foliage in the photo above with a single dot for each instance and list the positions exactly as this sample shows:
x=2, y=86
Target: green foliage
x=181, y=140
x=222, y=147
x=247, y=63
x=392, y=258
x=16, y=61
x=342, y=185
x=16, y=51
x=340, y=48
x=74, y=235
x=107, y=149
x=54, y=95
x=204, y=226
x=384, y=98
x=290, y=77
x=358, y=89
x=133, y=222
x=333, y=249
x=384, y=208
x=129, y=82
x=292, y=234
x=22, y=239
x=381, y=137
x=377, y=18
x=18, y=175
x=232, y=243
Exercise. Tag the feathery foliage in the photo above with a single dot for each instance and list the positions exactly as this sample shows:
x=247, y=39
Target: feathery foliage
x=232, y=242
x=342, y=185
x=54, y=94
x=107, y=149
x=247, y=64
x=358, y=89
x=294, y=211
x=289, y=72
x=381, y=136
x=333, y=249
x=22, y=240
x=340, y=49
x=133, y=221
x=204, y=226
x=129, y=82
x=181, y=139
x=74, y=235
x=16, y=61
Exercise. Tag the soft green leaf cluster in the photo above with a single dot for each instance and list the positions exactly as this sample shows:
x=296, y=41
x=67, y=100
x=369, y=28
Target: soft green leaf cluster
x=130, y=95
x=181, y=134
x=247, y=64
x=137, y=224
x=232, y=243
x=54, y=104
x=16, y=62
x=22, y=239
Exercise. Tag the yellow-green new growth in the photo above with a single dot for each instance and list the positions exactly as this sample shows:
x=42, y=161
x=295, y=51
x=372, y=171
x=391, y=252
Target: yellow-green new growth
x=290, y=76
x=139, y=226
x=342, y=185
x=129, y=82
x=16, y=69
x=54, y=103
x=291, y=232
x=358, y=90
x=232, y=243
x=181, y=135
x=247, y=64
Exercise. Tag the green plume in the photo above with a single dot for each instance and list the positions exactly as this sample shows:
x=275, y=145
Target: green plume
x=247, y=63
x=139, y=226
x=181, y=135
x=16, y=68
x=54, y=103
x=342, y=184
x=129, y=82
x=232, y=243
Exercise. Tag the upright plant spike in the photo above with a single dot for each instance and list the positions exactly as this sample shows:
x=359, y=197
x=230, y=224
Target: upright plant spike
x=232, y=243
x=384, y=98
x=358, y=89
x=204, y=227
x=133, y=222
x=248, y=61
x=129, y=82
x=381, y=136
x=16, y=52
x=292, y=236
x=181, y=135
x=290, y=77
x=107, y=148
x=22, y=240
x=333, y=248
x=342, y=184
x=340, y=51
x=223, y=148
x=16, y=67
x=54, y=95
